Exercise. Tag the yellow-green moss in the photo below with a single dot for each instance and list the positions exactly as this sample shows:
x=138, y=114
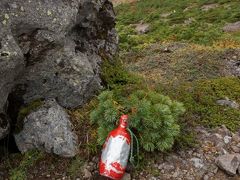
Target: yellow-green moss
x=24, y=111
x=200, y=100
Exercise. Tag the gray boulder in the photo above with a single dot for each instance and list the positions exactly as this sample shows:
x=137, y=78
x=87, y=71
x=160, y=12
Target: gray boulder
x=53, y=49
x=63, y=43
x=48, y=129
x=229, y=163
x=64, y=74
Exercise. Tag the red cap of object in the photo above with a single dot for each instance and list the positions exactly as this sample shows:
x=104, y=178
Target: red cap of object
x=124, y=121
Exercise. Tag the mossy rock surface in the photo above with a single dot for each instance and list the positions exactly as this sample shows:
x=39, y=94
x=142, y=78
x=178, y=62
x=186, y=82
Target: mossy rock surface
x=25, y=111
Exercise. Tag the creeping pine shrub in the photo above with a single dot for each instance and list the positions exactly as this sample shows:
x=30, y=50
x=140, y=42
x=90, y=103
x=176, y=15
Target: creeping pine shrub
x=152, y=116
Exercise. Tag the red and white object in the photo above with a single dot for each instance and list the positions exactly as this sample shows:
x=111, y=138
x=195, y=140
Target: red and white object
x=116, y=151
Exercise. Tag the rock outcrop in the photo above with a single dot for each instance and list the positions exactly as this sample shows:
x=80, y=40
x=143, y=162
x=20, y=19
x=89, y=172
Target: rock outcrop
x=48, y=129
x=53, y=49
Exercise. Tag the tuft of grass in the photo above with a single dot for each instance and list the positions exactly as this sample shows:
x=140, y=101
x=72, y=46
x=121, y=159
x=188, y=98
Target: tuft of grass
x=29, y=159
x=86, y=132
x=185, y=22
x=24, y=111
x=75, y=168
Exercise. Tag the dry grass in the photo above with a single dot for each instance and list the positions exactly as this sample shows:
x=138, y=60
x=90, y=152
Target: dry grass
x=177, y=62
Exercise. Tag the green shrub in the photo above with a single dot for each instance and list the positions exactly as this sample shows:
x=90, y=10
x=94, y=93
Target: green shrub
x=152, y=117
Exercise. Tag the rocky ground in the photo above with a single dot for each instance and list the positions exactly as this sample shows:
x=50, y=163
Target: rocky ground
x=215, y=157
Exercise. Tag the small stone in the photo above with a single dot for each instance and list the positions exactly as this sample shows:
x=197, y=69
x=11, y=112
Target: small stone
x=6, y=16
x=227, y=102
x=234, y=57
x=224, y=151
x=232, y=27
x=215, y=138
x=161, y=166
x=126, y=176
x=227, y=139
x=208, y=7
x=210, y=174
x=142, y=28
x=223, y=131
x=91, y=164
x=169, y=167
x=175, y=174
x=4, y=22
x=189, y=21
x=48, y=175
x=235, y=149
x=236, y=138
x=13, y=5
x=153, y=178
x=49, y=13
x=215, y=170
x=198, y=163
x=220, y=146
x=229, y=163
x=190, y=152
x=206, y=177
x=165, y=15
x=87, y=173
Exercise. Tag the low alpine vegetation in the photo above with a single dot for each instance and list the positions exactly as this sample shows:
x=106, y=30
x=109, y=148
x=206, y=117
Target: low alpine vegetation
x=152, y=116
